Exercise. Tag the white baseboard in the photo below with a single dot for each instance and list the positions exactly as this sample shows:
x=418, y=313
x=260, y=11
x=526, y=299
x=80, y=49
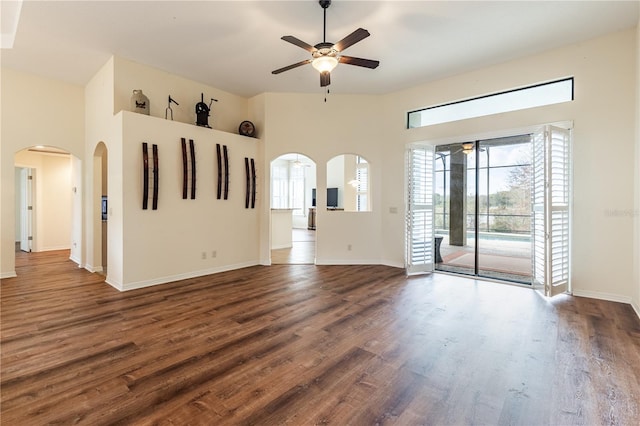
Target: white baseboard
x=347, y=261
x=393, y=263
x=93, y=269
x=55, y=248
x=636, y=307
x=11, y=274
x=611, y=297
x=113, y=284
x=178, y=277
x=75, y=260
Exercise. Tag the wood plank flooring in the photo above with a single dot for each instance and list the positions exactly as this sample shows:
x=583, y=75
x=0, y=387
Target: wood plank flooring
x=305, y=344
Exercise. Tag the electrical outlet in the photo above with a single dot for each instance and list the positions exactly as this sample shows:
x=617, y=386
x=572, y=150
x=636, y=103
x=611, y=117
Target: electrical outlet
x=348, y=247
x=214, y=253
x=204, y=255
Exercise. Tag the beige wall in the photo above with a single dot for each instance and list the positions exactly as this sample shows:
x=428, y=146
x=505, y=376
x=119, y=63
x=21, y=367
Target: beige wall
x=35, y=111
x=157, y=85
x=604, y=115
x=178, y=239
x=345, y=124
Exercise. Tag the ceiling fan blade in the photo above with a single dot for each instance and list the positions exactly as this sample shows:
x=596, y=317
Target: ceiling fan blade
x=351, y=39
x=325, y=78
x=367, y=63
x=299, y=43
x=292, y=66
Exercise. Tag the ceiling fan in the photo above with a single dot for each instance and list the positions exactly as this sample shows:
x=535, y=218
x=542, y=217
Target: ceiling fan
x=325, y=56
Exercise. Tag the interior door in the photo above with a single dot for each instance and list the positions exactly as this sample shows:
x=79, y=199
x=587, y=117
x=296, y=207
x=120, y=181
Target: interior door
x=26, y=209
x=420, y=210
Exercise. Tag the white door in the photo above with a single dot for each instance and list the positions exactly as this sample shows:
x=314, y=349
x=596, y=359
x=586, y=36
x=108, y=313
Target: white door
x=420, y=211
x=551, y=210
x=26, y=209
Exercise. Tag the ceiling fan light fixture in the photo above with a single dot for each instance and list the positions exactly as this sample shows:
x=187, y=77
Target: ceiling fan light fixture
x=324, y=63
x=467, y=147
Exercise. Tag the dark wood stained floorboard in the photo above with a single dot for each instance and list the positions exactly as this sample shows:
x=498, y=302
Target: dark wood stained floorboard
x=305, y=344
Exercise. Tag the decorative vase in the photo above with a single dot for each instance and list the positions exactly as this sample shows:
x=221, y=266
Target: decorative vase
x=139, y=102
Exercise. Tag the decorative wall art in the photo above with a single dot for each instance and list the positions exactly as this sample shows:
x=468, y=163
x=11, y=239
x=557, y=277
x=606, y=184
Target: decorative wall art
x=225, y=154
x=168, y=112
x=250, y=190
x=247, y=192
x=219, y=161
x=140, y=103
x=188, y=164
x=203, y=111
x=145, y=176
x=247, y=128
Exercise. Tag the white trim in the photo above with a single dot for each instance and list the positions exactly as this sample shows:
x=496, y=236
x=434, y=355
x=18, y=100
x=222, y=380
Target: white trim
x=75, y=260
x=56, y=248
x=392, y=263
x=493, y=134
x=348, y=262
x=611, y=297
x=93, y=269
x=636, y=308
x=112, y=284
x=5, y=275
x=178, y=277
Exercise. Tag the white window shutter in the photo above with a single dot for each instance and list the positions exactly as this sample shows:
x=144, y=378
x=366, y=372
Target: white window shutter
x=551, y=210
x=420, y=211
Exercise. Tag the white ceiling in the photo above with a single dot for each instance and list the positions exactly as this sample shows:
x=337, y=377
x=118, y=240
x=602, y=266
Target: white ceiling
x=234, y=45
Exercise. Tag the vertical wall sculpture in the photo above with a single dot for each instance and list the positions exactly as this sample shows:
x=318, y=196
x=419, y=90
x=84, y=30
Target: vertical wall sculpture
x=250, y=190
x=219, y=158
x=188, y=163
x=145, y=176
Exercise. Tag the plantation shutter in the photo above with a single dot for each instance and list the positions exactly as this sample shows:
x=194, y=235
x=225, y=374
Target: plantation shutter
x=420, y=211
x=551, y=210
x=362, y=176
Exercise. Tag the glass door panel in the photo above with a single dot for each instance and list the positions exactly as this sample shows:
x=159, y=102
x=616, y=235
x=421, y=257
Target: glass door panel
x=483, y=208
x=455, y=207
x=504, y=237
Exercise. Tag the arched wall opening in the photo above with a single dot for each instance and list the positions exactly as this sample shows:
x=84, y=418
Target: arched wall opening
x=100, y=209
x=292, y=213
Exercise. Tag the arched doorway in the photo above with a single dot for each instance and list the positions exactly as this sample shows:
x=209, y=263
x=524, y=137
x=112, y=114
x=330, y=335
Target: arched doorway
x=293, y=225
x=100, y=204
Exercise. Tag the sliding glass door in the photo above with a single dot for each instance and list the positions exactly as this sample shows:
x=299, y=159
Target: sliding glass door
x=483, y=208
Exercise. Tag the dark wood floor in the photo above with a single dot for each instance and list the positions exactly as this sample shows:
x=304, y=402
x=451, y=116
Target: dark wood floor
x=304, y=344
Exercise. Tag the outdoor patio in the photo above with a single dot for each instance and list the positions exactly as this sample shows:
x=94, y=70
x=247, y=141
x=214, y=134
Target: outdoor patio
x=501, y=256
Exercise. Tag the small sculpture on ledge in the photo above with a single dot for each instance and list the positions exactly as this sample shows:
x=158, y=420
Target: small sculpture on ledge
x=139, y=102
x=202, y=112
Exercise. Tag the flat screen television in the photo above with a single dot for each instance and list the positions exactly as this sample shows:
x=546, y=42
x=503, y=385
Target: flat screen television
x=332, y=197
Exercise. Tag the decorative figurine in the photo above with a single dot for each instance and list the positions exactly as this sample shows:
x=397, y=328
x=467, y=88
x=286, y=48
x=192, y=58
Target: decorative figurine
x=168, y=109
x=139, y=102
x=202, y=111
